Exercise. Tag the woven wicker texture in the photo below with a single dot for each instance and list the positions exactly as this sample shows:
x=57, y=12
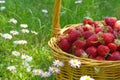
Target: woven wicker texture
x=99, y=70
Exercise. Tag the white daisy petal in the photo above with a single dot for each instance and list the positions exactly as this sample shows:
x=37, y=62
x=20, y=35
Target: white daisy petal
x=15, y=53
x=75, y=63
x=45, y=74
x=23, y=25
x=2, y=8
x=25, y=31
x=28, y=59
x=37, y=72
x=20, y=42
x=78, y=1
x=11, y=68
x=2, y=1
x=86, y=78
x=34, y=32
x=14, y=32
x=13, y=20
x=45, y=11
x=54, y=69
x=6, y=36
x=58, y=63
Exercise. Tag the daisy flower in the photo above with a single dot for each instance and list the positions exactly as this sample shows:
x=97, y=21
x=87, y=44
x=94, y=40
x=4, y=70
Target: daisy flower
x=86, y=78
x=2, y=8
x=11, y=68
x=75, y=63
x=34, y=32
x=6, y=36
x=45, y=11
x=78, y=1
x=23, y=25
x=37, y=72
x=28, y=68
x=15, y=53
x=13, y=20
x=54, y=70
x=58, y=63
x=45, y=74
x=20, y=42
x=26, y=57
x=2, y=1
x=25, y=31
x=14, y=32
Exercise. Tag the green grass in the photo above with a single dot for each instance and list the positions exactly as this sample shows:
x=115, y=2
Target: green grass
x=29, y=12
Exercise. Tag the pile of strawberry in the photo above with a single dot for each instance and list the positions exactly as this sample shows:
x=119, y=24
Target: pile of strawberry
x=98, y=40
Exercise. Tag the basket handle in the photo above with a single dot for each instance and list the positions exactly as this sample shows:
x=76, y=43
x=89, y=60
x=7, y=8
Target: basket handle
x=56, y=18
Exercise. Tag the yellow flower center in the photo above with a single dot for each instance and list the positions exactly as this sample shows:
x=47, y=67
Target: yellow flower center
x=54, y=69
x=37, y=72
x=74, y=62
x=87, y=79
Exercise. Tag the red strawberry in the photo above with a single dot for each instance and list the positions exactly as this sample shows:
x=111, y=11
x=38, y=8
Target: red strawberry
x=110, y=21
x=96, y=24
x=88, y=27
x=92, y=40
x=98, y=29
x=117, y=26
x=87, y=34
x=80, y=53
x=110, y=29
x=112, y=47
x=73, y=34
x=114, y=56
x=79, y=44
x=118, y=48
x=88, y=21
x=92, y=52
x=103, y=50
x=80, y=28
x=63, y=43
x=107, y=38
x=100, y=58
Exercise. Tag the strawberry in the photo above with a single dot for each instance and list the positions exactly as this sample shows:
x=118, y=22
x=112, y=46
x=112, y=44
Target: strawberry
x=100, y=58
x=98, y=29
x=87, y=34
x=88, y=21
x=63, y=43
x=80, y=28
x=96, y=24
x=114, y=56
x=110, y=29
x=79, y=44
x=92, y=40
x=73, y=34
x=92, y=52
x=110, y=21
x=108, y=38
x=117, y=26
x=112, y=47
x=80, y=53
x=88, y=27
x=103, y=50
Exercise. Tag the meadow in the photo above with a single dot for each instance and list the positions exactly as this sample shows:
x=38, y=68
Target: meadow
x=37, y=15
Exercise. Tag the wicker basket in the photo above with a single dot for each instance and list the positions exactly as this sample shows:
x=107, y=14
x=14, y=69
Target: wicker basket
x=99, y=70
